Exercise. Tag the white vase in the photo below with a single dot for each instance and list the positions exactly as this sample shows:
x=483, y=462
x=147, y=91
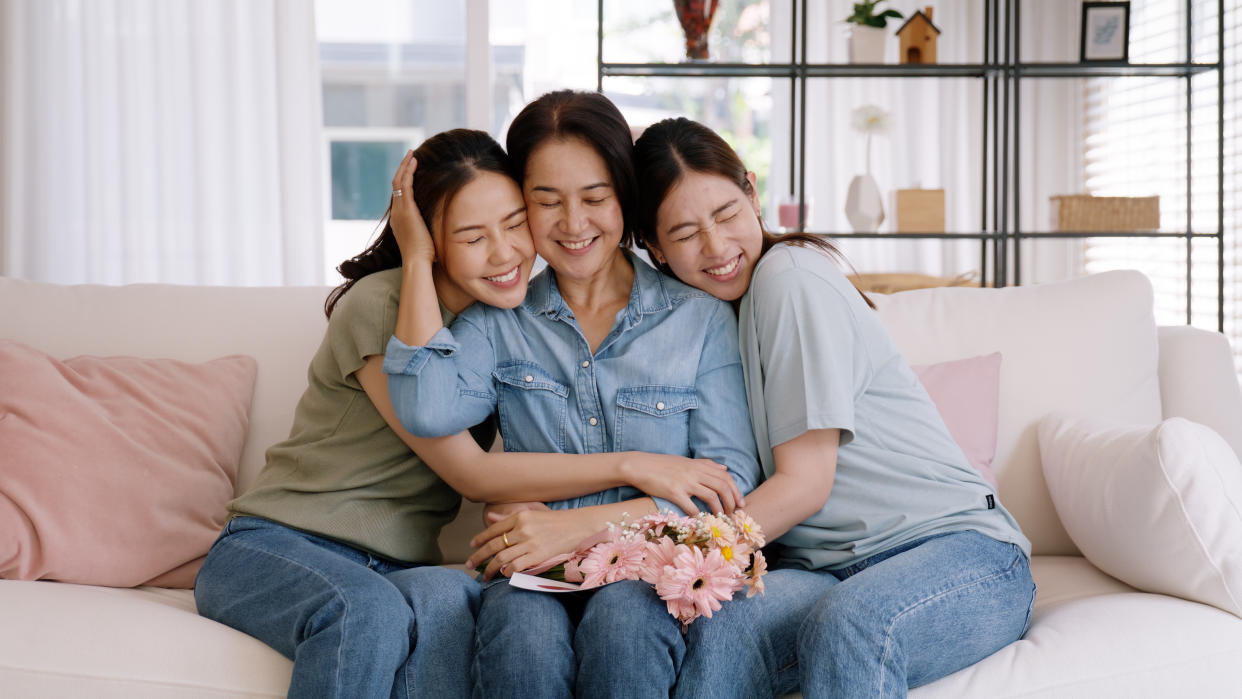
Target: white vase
x=863, y=205
x=867, y=44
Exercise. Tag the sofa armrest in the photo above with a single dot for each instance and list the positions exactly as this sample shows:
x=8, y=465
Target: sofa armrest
x=1198, y=381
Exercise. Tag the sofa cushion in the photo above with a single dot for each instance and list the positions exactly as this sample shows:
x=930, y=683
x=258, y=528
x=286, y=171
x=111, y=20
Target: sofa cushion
x=279, y=326
x=1092, y=636
x=1089, y=343
x=64, y=640
x=1125, y=493
x=116, y=470
x=965, y=393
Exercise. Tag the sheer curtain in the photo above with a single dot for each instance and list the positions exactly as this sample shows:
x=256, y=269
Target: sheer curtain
x=160, y=141
x=934, y=139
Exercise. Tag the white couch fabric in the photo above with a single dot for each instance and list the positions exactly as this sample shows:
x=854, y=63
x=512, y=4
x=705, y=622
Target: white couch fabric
x=1090, y=344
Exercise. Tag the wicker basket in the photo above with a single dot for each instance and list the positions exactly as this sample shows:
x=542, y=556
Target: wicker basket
x=1083, y=212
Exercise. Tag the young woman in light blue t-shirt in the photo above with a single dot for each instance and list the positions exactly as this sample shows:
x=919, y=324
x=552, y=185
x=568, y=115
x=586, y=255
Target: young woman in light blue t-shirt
x=897, y=563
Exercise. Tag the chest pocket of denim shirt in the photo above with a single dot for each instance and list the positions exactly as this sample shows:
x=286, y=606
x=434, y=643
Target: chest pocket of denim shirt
x=533, y=407
x=654, y=419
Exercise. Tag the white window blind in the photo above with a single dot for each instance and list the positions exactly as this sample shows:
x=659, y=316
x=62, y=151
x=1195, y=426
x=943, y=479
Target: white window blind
x=1135, y=145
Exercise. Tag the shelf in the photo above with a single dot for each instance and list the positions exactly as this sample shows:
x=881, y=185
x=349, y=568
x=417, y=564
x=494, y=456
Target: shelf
x=706, y=69
x=900, y=70
x=1112, y=70
x=1113, y=234
x=908, y=236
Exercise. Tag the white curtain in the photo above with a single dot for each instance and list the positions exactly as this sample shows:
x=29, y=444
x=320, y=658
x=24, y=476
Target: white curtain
x=160, y=141
x=934, y=139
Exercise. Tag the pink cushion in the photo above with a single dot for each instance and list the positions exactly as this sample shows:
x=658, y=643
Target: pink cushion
x=967, y=394
x=116, y=470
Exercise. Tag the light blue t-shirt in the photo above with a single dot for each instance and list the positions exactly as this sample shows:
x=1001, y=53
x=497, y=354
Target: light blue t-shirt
x=817, y=357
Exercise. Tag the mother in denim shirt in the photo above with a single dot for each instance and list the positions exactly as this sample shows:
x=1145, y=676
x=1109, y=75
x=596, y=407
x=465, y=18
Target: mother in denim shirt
x=571, y=370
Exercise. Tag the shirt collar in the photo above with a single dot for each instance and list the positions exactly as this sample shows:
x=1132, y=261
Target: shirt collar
x=648, y=295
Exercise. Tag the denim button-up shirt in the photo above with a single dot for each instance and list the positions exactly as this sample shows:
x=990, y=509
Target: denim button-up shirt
x=667, y=379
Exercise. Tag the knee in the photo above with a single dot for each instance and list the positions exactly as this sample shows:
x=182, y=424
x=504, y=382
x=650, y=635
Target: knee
x=628, y=611
x=838, y=617
x=438, y=592
x=372, y=611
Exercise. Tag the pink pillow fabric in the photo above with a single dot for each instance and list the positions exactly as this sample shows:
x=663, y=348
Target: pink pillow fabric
x=116, y=470
x=967, y=394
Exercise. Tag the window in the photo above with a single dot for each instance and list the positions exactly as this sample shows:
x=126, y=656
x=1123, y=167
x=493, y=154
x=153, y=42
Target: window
x=1135, y=145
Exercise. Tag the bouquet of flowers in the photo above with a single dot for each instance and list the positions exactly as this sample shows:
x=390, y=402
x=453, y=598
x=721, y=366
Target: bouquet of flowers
x=694, y=563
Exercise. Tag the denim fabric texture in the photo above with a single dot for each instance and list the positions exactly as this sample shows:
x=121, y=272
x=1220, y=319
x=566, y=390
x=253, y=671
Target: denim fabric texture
x=667, y=379
x=616, y=641
x=353, y=624
x=897, y=620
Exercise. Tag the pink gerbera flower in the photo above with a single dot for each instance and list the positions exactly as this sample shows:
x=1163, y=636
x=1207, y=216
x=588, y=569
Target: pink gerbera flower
x=660, y=553
x=748, y=529
x=612, y=561
x=754, y=582
x=697, y=584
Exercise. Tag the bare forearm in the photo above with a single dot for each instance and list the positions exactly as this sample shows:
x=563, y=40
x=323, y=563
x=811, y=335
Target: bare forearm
x=418, y=312
x=518, y=477
x=781, y=502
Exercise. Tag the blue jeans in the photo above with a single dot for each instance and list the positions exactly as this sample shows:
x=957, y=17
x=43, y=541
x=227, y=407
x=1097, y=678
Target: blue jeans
x=353, y=624
x=897, y=620
x=617, y=641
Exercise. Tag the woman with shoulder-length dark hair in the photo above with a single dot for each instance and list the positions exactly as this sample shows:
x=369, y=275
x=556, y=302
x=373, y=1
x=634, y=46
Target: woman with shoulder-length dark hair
x=605, y=354
x=330, y=557
x=898, y=563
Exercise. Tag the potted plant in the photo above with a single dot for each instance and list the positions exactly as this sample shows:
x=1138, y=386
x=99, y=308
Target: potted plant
x=867, y=35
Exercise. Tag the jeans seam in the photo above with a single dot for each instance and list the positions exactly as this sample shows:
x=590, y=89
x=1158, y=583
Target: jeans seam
x=335, y=588
x=888, y=632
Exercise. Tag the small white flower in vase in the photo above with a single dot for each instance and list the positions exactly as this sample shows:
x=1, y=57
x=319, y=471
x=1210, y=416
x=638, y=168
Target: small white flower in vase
x=864, y=207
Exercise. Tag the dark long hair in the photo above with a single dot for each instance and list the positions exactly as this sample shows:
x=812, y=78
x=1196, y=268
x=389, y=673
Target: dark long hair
x=447, y=162
x=668, y=149
x=592, y=117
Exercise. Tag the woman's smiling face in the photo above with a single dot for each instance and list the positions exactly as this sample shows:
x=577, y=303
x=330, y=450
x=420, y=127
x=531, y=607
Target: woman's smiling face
x=574, y=214
x=483, y=242
x=709, y=233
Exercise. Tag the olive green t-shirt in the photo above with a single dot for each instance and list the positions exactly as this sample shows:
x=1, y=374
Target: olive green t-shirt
x=343, y=473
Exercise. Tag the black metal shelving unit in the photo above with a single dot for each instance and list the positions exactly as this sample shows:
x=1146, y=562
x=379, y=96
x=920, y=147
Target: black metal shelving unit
x=1001, y=73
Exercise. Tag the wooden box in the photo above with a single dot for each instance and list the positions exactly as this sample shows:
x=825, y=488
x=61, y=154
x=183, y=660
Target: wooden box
x=1083, y=212
x=920, y=210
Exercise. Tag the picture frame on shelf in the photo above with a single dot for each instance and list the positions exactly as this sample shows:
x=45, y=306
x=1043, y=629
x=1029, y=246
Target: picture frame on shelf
x=1105, y=33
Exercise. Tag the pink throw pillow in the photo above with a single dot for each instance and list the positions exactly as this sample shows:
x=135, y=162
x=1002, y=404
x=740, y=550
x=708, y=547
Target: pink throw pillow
x=967, y=394
x=116, y=470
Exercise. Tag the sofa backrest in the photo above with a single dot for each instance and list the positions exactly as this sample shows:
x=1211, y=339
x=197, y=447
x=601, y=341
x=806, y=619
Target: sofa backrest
x=1087, y=345
x=280, y=327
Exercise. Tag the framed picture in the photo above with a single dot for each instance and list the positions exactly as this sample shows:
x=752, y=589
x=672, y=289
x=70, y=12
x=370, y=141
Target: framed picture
x=1105, y=32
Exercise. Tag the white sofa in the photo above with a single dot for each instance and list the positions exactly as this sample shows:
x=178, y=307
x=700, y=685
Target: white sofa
x=1088, y=345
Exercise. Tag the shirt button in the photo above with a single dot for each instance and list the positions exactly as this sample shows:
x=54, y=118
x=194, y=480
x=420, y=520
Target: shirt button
x=585, y=364
x=529, y=379
x=659, y=406
x=593, y=422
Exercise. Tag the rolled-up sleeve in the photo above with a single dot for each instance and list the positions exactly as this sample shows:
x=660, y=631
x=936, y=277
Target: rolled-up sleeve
x=445, y=386
x=720, y=427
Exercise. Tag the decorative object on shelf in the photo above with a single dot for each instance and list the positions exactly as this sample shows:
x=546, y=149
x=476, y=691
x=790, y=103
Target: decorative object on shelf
x=696, y=18
x=867, y=36
x=893, y=282
x=787, y=213
x=863, y=205
x=1075, y=213
x=1105, y=33
x=920, y=210
x=918, y=38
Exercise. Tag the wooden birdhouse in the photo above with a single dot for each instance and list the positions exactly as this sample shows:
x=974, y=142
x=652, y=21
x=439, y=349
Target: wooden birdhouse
x=918, y=38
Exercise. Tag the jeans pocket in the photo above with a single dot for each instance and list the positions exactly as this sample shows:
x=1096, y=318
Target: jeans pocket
x=533, y=407
x=654, y=419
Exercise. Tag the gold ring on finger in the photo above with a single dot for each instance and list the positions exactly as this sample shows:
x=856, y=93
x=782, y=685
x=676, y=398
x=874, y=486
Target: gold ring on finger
x=505, y=538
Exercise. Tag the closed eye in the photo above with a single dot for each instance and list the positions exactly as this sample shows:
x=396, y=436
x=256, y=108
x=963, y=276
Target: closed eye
x=517, y=225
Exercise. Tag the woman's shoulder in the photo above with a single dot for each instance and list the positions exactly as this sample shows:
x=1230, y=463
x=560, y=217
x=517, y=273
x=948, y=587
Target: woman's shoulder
x=786, y=264
x=370, y=296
